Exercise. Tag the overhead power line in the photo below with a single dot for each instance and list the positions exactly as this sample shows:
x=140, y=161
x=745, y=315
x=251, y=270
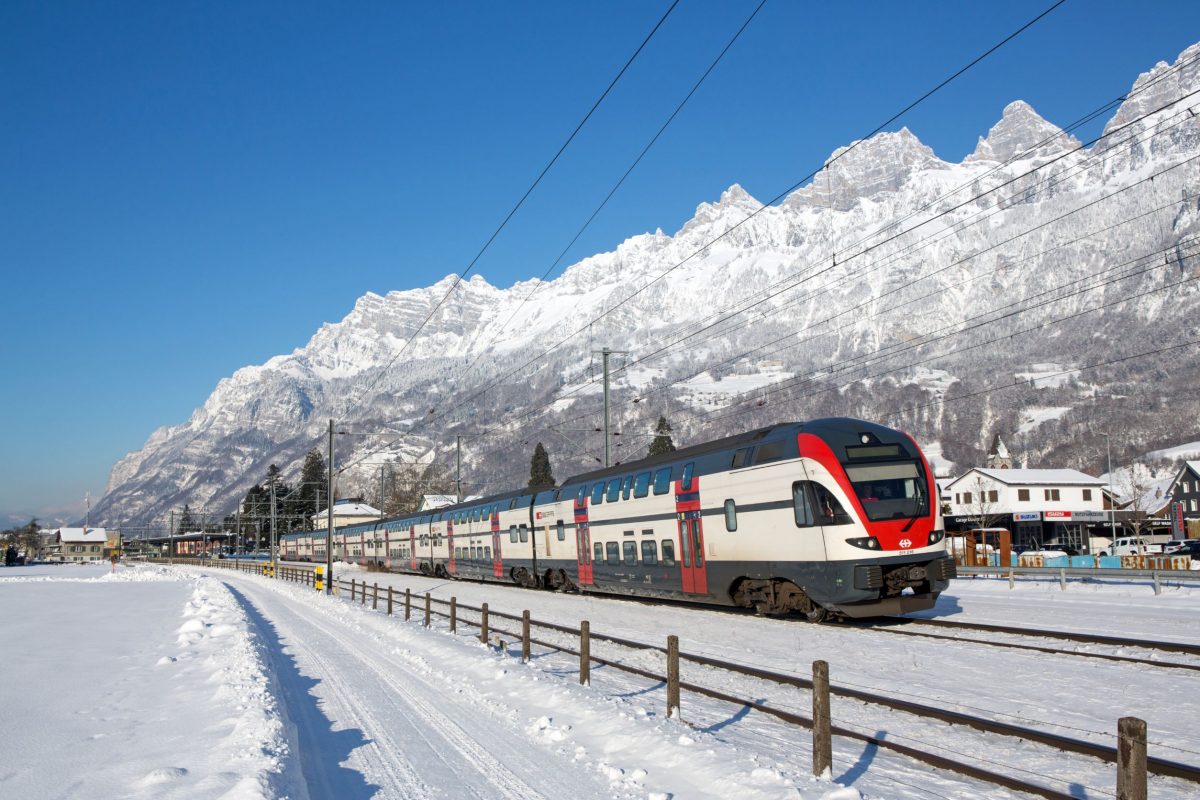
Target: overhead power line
x=424, y=422
x=512, y=212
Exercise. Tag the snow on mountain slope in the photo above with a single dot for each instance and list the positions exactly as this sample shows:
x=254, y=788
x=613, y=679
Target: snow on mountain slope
x=890, y=271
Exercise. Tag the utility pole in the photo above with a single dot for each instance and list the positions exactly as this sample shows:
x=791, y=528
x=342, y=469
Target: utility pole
x=458, y=466
x=606, y=352
x=381, y=503
x=1112, y=498
x=329, y=519
x=272, y=526
x=607, y=456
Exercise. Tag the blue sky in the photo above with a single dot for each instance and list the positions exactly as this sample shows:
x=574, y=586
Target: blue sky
x=190, y=187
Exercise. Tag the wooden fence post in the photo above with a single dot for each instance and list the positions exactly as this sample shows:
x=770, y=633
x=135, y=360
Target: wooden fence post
x=1010, y=577
x=407, y=604
x=1062, y=577
x=525, y=636
x=453, y=614
x=389, y=601
x=483, y=624
x=672, y=676
x=1131, y=758
x=822, y=737
x=585, y=653
x=427, y=607
x=375, y=597
x=353, y=586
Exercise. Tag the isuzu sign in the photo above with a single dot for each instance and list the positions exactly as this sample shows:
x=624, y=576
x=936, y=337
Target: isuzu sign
x=1058, y=515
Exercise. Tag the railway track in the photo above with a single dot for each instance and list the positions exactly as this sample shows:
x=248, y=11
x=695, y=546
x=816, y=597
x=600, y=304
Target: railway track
x=902, y=625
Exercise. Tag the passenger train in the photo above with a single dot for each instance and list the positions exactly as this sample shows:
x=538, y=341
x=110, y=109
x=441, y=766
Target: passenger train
x=831, y=517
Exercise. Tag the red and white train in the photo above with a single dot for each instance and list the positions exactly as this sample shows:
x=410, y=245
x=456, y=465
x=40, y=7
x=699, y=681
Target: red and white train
x=832, y=516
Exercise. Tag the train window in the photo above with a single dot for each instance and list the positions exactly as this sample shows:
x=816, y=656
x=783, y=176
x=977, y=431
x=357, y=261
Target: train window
x=741, y=457
x=614, y=490
x=641, y=484
x=770, y=451
x=630, y=554
x=614, y=552
x=829, y=510
x=598, y=493
x=487, y=553
x=562, y=531
x=457, y=553
x=626, y=485
x=598, y=551
x=582, y=494
x=512, y=533
x=649, y=552
x=524, y=533
x=730, y=515
x=685, y=551
x=688, y=469
x=662, y=481
x=801, y=505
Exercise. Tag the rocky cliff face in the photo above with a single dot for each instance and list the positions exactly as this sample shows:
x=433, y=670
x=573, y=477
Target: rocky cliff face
x=1010, y=293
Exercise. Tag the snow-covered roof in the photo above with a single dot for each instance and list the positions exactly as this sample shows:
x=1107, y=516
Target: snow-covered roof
x=1035, y=477
x=432, y=501
x=344, y=509
x=81, y=535
x=429, y=501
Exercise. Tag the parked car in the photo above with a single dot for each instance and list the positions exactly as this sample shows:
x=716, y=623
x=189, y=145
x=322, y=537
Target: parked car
x=1191, y=547
x=1133, y=546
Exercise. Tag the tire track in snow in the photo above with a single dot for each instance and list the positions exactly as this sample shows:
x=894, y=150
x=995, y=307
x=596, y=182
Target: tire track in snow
x=467, y=744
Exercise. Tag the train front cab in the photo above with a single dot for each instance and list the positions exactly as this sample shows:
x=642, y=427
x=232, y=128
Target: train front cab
x=888, y=554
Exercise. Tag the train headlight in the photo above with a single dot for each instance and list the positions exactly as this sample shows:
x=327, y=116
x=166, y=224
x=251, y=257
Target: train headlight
x=865, y=542
x=936, y=536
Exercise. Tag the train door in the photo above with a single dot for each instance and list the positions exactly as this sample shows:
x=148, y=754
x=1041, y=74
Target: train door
x=412, y=548
x=693, y=565
x=387, y=548
x=497, y=560
x=583, y=542
x=450, y=543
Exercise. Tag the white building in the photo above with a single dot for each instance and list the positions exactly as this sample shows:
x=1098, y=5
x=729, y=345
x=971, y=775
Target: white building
x=350, y=511
x=1040, y=506
x=78, y=544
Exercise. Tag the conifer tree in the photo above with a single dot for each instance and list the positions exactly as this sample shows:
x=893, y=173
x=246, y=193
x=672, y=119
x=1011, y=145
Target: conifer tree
x=662, y=441
x=540, y=476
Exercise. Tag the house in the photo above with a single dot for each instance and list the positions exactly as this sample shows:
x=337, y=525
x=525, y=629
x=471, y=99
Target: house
x=348, y=511
x=1040, y=506
x=78, y=544
x=1185, y=490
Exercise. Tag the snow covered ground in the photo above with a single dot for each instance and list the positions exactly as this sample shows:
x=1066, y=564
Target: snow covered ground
x=212, y=683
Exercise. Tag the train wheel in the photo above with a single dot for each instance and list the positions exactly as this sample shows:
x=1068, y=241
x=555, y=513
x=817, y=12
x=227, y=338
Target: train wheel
x=816, y=614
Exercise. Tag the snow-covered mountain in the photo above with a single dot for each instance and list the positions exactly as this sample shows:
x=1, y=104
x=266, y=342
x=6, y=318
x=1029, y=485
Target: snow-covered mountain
x=1019, y=291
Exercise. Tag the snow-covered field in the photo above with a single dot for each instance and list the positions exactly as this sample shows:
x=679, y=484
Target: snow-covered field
x=183, y=682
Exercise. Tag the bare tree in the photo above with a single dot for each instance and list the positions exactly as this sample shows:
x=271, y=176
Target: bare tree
x=1137, y=490
x=984, y=503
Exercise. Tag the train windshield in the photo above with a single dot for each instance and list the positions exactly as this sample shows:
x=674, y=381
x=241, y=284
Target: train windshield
x=890, y=491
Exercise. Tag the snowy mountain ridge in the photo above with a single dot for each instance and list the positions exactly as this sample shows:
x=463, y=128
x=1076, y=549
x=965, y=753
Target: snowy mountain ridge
x=857, y=281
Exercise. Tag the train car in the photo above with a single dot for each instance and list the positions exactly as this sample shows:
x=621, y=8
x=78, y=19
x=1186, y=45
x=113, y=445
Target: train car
x=833, y=516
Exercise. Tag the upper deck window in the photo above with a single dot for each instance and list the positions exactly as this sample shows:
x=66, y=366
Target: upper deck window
x=662, y=480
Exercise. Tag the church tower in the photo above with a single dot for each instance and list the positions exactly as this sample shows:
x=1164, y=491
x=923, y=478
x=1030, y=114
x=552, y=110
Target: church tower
x=998, y=456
